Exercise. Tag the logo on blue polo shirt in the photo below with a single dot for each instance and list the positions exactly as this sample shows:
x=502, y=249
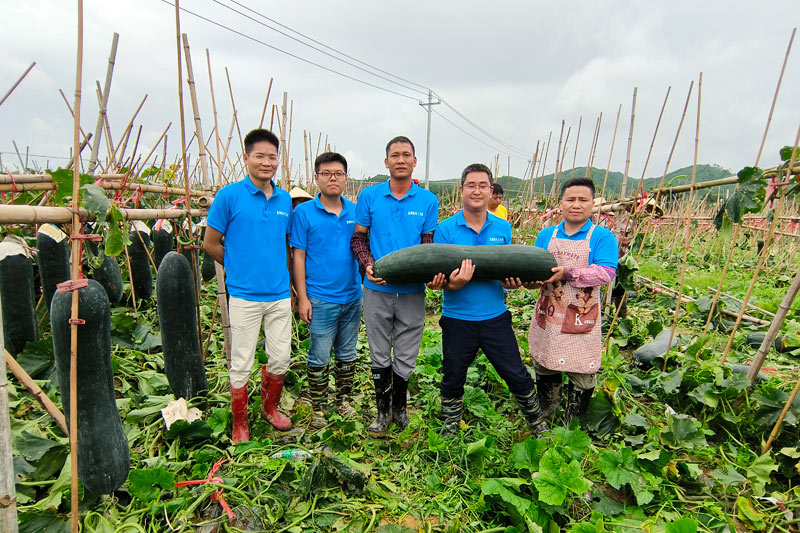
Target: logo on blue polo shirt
x=350, y=222
x=416, y=213
x=496, y=239
x=282, y=213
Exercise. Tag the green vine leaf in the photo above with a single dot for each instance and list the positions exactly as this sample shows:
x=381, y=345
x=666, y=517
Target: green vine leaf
x=556, y=477
x=94, y=200
x=145, y=483
x=622, y=468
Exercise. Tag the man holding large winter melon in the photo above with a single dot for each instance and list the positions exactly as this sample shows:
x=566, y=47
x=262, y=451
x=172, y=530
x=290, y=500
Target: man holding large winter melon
x=254, y=217
x=389, y=216
x=474, y=313
x=565, y=329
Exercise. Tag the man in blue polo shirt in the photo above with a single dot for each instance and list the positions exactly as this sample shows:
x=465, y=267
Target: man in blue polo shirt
x=328, y=285
x=389, y=216
x=565, y=332
x=474, y=313
x=254, y=217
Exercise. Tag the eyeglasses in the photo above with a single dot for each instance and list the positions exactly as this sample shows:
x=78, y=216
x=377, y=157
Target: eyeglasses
x=483, y=187
x=327, y=174
x=258, y=158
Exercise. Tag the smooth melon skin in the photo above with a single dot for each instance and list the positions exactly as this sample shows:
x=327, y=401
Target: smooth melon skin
x=177, y=320
x=422, y=262
x=110, y=277
x=209, y=270
x=656, y=348
x=163, y=243
x=141, y=275
x=53, y=260
x=20, y=323
x=103, y=452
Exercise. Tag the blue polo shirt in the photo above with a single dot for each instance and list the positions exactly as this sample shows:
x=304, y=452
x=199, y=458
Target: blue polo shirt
x=603, y=249
x=477, y=300
x=395, y=224
x=331, y=268
x=255, y=232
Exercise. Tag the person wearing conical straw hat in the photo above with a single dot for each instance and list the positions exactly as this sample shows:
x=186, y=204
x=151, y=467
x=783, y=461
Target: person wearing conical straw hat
x=299, y=196
x=328, y=285
x=254, y=216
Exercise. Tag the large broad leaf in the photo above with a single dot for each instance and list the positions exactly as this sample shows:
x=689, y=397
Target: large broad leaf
x=747, y=513
x=747, y=198
x=507, y=490
x=478, y=402
x=62, y=179
x=683, y=525
x=31, y=447
x=683, y=432
x=94, y=200
x=556, y=477
x=528, y=453
x=759, y=472
x=190, y=433
x=621, y=468
x=435, y=441
x=771, y=401
x=573, y=442
x=480, y=448
x=49, y=522
x=146, y=485
x=600, y=416
x=37, y=357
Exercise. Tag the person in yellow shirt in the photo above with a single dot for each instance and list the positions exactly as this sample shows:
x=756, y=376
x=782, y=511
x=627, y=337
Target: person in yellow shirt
x=496, y=206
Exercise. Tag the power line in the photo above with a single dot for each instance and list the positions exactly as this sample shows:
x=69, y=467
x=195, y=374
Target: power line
x=462, y=130
x=214, y=22
x=425, y=91
x=476, y=126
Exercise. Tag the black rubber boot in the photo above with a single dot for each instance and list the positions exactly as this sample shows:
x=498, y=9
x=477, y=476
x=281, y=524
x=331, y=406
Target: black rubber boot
x=382, y=378
x=548, y=387
x=399, y=399
x=577, y=402
x=343, y=373
x=318, y=391
x=532, y=411
x=452, y=409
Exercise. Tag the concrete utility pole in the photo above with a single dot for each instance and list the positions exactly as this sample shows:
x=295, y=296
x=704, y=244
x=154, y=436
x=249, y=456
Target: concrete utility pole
x=428, y=105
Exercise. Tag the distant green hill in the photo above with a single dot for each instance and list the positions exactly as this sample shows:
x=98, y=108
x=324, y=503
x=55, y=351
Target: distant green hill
x=514, y=186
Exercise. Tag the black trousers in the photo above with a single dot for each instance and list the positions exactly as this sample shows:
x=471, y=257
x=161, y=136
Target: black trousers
x=461, y=340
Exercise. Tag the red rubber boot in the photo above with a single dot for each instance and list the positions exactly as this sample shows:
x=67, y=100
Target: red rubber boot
x=271, y=389
x=241, y=431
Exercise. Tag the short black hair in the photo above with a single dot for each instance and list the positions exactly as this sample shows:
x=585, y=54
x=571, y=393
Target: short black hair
x=497, y=189
x=400, y=139
x=476, y=167
x=577, y=182
x=259, y=135
x=329, y=157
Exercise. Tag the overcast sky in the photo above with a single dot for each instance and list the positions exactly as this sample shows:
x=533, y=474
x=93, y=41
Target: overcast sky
x=515, y=69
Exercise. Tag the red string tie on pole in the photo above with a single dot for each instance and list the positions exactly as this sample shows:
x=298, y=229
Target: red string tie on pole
x=72, y=285
x=216, y=496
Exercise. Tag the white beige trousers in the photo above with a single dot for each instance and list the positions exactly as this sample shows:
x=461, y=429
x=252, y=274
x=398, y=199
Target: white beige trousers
x=246, y=319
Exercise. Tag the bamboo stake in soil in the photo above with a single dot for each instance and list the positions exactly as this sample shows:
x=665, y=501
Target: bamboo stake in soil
x=786, y=407
x=44, y=400
x=98, y=129
x=611, y=152
x=688, y=220
x=77, y=229
x=8, y=494
x=16, y=83
x=630, y=145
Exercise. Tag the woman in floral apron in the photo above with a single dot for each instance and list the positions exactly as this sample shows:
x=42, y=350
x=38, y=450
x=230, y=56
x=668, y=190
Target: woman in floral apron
x=565, y=329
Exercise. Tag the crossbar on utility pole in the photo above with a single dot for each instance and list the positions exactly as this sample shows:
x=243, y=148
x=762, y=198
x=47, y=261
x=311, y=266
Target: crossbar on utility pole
x=428, y=105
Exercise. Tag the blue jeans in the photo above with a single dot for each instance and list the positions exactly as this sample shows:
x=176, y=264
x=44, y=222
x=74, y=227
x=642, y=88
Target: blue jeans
x=333, y=328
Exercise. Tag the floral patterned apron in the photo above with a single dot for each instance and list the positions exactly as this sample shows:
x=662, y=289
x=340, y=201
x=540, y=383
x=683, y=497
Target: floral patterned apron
x=565, y=331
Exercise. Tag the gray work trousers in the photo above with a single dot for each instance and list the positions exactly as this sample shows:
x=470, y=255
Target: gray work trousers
x=394, y=321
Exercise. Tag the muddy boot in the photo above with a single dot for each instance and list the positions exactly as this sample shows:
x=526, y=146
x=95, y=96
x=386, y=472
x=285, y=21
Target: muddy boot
x=241, y=431
x=343, y=373
x=271, y=389
x=529, y=405
x=399, y=398
x=577, y=402
x=548, y=387
x=318, y=391
x=452, y=409
x=382, y=377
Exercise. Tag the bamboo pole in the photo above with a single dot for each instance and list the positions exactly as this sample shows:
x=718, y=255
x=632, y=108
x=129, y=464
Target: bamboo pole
x=98, y=129
x=218, y=139
x=16, y=83
x=688, y=219
x=305, y=154
x=44, y=400
x=593, y=148
x=31, y=214
x=266, y=104
x=786, y=407
x=233, y=106
x=8, y=494
x=577, y=143
x=108, y=185
x=630, y=145
x=198, y=127
x=653, y=141
x=611, y=152
x=77, y=229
